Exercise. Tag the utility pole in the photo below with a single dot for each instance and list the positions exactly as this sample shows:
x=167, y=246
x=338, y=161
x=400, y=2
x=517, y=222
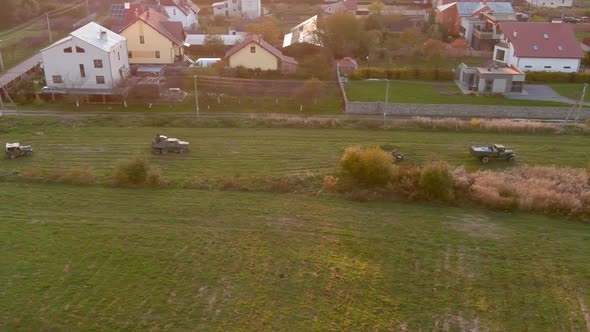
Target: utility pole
x=196, y=97
x=581, y=102
x=49, y=28
x=386, y=100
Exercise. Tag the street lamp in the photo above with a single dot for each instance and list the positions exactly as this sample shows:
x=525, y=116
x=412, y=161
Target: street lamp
x=368, y=63
x=196, y=96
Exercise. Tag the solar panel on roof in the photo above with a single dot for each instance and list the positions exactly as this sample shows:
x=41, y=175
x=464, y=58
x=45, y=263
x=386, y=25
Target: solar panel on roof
x=117, y=11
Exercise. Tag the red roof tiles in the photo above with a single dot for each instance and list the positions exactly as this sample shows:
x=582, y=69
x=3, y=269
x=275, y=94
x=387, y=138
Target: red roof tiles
x=542, y=40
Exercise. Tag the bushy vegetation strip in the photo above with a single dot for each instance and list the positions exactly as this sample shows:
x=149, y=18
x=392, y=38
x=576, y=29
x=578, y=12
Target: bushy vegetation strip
x=367, y=173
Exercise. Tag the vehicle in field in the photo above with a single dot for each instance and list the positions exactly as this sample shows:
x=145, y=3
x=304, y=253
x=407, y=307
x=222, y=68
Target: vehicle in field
x=162, y=145
x=495, y=151
x=51, y=90
x=173, y=95
x=14, y=150
x=395, y=154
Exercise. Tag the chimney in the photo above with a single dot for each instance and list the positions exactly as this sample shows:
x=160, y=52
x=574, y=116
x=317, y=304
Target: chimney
x=515, y=33
x=103, y=35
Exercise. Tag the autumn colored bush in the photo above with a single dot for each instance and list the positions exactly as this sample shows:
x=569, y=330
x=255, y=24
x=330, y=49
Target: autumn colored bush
x=370, y=167
x=436, y=182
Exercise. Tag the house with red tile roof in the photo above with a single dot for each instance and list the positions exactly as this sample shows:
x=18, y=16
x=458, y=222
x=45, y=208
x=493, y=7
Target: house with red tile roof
x=255, y=53
x=347, y=65
x=152, y=39
x=539, y=46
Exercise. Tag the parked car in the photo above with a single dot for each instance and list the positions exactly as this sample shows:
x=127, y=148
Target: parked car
x=173, y=94
x=51, y=90
x=14, y=150
x=496, y=151
x=570, y=19
x=162, y=144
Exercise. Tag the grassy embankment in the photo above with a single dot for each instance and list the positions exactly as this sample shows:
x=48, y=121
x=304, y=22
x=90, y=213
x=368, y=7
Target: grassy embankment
x=223, y=152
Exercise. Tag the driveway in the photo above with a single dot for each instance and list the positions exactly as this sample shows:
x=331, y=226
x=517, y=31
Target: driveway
x=541, y=92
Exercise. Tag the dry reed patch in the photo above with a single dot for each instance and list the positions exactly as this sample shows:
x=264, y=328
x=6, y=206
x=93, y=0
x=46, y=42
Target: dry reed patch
x=535, y=188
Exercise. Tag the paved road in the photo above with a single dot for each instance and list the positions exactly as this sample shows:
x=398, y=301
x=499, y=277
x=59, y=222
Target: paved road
x=542, y=92
x=20, y=69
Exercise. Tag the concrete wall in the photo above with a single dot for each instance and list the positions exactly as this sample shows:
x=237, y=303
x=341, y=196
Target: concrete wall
x=460, y=111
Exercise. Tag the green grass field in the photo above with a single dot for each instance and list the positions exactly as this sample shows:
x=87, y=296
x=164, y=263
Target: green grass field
x=429, y=93
x=571, y=90
x=223, y=152
x=92, y=258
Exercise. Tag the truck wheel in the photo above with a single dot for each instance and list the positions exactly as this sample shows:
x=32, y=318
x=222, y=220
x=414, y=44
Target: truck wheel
x=182, y=151
x=485, y=160
x=12, y=156
x=511, y=159
x=29, y=153
x=164, y=151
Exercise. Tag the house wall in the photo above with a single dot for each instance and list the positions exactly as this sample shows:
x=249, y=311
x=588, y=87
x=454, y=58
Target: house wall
x=119, y=62
x=449, y=18
x=176, y=15
x=154, y=41
x=262, y=59
x=539, y=64
x=67, y=65
x=251, y=8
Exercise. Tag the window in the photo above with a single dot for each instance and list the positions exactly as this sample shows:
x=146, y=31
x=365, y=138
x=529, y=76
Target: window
x=567, y=67
x=99, y=79
x=141, y=40
x=547, y=67
x=80, y=50
x=252, y=49
x=129, y=54
x=174, y=11
x=68, y=50
x=97, y=63
x=489, y=84
x=500, y=54
x=118, y=56
x=57, y=79
x=560, y=48
x=82, y=71
x=157, y=54
x=516, y=87
x=528, y=67
x=535, y=47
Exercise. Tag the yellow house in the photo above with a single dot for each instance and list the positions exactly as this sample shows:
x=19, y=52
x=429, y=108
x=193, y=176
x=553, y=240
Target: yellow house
x=152, y=39
x=255, y=53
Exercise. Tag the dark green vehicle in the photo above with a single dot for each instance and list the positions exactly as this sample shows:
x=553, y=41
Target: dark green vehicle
x=494, y=151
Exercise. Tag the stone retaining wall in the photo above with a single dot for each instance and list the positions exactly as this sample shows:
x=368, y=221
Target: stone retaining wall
x=462, y=111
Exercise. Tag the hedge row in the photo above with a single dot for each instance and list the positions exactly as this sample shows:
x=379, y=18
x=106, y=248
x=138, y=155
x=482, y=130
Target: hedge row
x=549, y=77
x=403, y=74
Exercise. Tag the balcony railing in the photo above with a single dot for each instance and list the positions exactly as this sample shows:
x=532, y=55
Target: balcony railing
x=483, y=34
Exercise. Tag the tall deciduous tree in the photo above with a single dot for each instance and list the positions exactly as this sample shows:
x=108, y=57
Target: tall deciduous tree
x=341, y=33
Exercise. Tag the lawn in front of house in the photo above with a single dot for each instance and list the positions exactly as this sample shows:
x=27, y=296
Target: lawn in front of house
x=571, y=90
x=429, y=92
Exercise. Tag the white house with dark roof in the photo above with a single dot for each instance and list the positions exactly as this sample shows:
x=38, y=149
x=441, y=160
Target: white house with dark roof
x=91, y=58
x=238, y=8
x=539, y=47
x=183, y=11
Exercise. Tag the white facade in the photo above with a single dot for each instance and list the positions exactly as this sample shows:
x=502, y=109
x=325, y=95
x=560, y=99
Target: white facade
x=189, y=21
x=238, y=8
x=551, y=3
x=87, y=59
x=534, y=64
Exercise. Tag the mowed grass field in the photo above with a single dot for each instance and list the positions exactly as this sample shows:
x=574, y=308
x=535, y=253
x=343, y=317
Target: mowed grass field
x=422, y=92
x=229, y=152
x=95, y=258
